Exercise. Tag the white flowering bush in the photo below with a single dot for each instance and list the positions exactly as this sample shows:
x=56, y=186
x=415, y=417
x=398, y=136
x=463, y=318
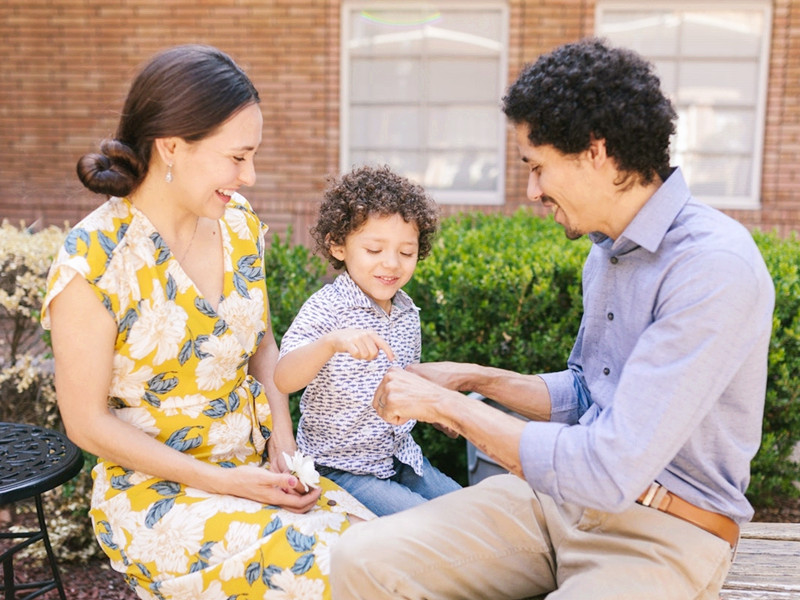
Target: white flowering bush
x=27, y=389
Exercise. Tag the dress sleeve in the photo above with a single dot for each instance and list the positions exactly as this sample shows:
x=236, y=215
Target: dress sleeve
x=84, y=254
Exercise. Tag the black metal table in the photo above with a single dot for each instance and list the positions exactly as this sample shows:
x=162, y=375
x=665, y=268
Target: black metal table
x=33, y=460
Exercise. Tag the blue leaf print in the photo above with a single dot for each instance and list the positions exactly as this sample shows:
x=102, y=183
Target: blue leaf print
x=205, y=550
x=265, y=431
x=248, y=271
x=145, y=571
x=303, y=564
x=106, y=243
x=178, y=439
x=123, y=229
x=298, y=541
x=158, y=510
x=71, y=243
x=186, y=352
x=218, y=409
x=172, y=288
x=226, y=464
x=107, y=304
x=166, y=488
x=252, y=572
x=220, y=327
x=267, y=573
x=162, y=251
x=204, y=307
x=160, y=385
x=233, y=401
x=199, y=342
x=241, y=286
x=107, y=538
x=255, y=387
x=120, y=482
x=152, y=400
x=260, y=337
x=272, y=527
x=131, y=316
x=198, y=565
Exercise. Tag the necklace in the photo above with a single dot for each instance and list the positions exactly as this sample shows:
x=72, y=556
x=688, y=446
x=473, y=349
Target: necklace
x=188, y=247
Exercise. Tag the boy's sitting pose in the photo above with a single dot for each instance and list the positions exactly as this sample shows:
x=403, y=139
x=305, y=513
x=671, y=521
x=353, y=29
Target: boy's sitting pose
x=377, y=225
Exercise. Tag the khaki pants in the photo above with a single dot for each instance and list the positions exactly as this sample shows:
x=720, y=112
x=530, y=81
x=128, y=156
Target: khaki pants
x=500, y=540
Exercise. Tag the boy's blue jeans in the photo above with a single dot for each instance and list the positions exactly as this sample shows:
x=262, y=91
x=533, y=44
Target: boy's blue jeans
x=402, y=490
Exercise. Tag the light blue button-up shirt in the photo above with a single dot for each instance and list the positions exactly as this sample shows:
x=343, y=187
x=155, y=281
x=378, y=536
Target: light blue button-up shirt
x=667, y=377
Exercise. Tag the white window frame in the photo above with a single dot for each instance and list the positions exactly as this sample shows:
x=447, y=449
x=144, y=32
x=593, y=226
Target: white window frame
x=752, y=199
x=467, y=197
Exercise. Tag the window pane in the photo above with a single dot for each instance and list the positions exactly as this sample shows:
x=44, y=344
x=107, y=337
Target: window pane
x=715, y=130
x=718, y=82
x=723, y=34
x=652, y=33
x=476, y=171
x=385, y=127
x=463, y=127
x=453, y=80
x=385, y=80
x=717, y=175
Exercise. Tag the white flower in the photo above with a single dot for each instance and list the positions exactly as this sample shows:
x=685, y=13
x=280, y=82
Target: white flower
x=221, y=364
x=302, y=467
x=161, y=327
x=290, y=587
x=228, y=438
x=127, y=383
x=244, y=316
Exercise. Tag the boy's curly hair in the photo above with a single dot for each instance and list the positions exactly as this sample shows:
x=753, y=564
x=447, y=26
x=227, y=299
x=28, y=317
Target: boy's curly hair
x=349, y=200
x=587, y=89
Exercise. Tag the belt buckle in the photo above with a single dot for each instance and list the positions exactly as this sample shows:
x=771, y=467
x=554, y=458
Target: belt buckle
x=651, y=494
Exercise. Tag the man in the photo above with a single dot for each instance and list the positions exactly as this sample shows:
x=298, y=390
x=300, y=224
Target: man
x=629, y=481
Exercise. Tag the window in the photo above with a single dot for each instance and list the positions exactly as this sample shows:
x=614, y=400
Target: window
x=421, y=88
x=712, y=58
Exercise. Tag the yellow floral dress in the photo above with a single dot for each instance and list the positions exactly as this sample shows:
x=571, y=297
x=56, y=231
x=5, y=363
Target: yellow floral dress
x=180, y=374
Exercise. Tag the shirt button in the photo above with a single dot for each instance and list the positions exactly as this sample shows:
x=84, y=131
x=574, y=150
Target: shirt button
x=606, y=371
x=610, y=316
x=614, y=260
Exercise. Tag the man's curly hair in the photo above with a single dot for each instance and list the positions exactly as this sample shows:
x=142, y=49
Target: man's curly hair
x=366, y=191
x=587, y=89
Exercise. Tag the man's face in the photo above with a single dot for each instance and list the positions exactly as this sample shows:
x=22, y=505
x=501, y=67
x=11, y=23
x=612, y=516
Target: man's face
x=560, y=182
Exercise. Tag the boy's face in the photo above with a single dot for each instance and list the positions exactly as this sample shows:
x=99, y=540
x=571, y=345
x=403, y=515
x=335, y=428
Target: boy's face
x=380, y=256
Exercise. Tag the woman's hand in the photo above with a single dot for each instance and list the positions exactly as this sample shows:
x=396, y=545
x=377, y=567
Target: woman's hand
x=268, y=487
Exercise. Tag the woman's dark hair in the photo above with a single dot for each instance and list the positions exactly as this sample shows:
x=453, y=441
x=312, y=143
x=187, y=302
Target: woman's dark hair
x=589, y=89
x=185, y=91
x=366, y=191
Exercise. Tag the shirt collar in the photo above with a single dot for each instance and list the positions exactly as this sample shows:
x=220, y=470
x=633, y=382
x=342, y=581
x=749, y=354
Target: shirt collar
x=654, y=219
x=355, y=297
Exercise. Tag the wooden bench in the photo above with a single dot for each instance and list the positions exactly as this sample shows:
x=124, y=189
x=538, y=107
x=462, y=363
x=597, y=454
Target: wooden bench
x=767, y=563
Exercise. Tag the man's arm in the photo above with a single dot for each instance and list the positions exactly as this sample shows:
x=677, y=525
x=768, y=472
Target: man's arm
x=403, y=395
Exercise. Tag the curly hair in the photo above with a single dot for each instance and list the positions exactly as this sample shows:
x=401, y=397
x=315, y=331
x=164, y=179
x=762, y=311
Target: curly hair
x=366, y=191
x=588, y=89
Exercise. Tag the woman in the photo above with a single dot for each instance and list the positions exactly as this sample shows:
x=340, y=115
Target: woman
x=164, y=351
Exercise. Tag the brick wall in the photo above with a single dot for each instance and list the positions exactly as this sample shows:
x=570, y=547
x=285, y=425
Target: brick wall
x=65, y=66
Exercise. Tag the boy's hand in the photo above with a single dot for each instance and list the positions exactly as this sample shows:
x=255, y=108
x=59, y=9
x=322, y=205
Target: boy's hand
x=361, y=344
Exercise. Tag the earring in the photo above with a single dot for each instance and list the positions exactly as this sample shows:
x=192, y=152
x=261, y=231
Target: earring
x=168, y=178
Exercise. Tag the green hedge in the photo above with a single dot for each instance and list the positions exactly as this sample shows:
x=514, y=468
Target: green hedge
x=505, y=291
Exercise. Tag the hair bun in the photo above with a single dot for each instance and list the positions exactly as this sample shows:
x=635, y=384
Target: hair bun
x=116, y=171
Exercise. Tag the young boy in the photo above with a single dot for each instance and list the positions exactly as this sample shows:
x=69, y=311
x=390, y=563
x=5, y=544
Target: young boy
x=376, y=225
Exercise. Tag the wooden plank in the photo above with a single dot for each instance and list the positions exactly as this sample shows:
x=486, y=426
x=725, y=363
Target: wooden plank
x=767, y=563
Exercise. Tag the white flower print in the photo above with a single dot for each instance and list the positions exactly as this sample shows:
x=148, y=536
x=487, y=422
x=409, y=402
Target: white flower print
x=291, y=587
x=244, y=317
x=312, y=522
x=170, y=542
x=182, y=280
x=161, y=326
x=121, y=518
x=225, y=355
x=238, y=538
x=237, y=221
x=191, y=587
x=139, y=417
x=103, y=220
x=191, y=405
x=127, y=383
x=218, y=503
x=228, y=438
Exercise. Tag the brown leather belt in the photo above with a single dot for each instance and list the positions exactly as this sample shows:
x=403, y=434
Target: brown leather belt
x=658, y=497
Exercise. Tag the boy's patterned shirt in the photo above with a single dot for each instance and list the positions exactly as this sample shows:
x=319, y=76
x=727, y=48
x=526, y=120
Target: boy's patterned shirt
x=339, y=426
